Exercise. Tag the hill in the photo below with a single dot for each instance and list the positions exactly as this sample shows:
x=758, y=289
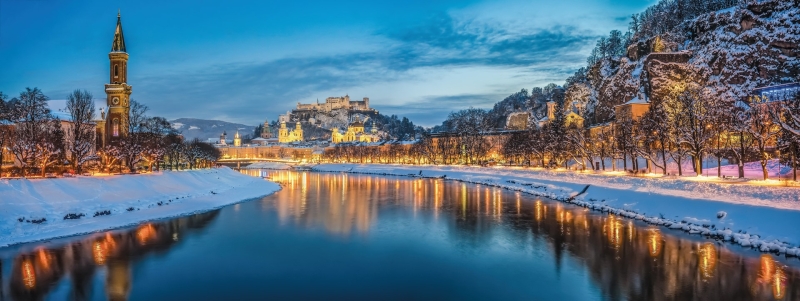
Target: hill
x=729, y=47
x=204, y=129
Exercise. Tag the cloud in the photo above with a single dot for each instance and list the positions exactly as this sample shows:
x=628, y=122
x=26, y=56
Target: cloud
x=251, y=92
x=445, y=41
x=432, y=110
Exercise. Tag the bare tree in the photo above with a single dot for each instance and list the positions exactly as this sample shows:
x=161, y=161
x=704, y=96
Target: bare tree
x=6, y=130
x=31, y=116
x=80, y=137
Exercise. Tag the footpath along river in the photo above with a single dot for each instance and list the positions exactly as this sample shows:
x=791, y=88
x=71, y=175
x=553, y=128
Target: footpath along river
x=338, y=236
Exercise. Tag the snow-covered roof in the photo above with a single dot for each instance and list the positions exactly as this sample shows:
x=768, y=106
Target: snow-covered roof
x=63, y=116
x=636, y=100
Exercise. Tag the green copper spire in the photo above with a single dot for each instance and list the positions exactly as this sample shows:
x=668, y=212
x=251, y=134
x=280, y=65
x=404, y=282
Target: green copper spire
x=119, y=38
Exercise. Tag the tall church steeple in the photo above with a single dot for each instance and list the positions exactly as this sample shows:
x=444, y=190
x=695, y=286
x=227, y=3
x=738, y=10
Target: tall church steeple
x=118, y=91
x=119, y=38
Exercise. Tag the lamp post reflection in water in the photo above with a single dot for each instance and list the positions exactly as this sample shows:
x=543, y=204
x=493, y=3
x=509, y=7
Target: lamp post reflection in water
x=654, y=242
x=708, y=260
x=771, y=274
x=28, y=274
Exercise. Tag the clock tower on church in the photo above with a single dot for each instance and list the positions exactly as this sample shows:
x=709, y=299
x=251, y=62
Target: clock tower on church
x=118, y=92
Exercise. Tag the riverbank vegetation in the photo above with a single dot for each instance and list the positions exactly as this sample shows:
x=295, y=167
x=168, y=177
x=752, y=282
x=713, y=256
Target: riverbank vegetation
x=36, y=141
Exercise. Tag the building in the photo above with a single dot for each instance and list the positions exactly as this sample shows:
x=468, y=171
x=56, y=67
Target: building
x=518, y=120
x=114, y=125
x=223, y=138
x=266, y=152
x=237, y=140
x=784, y=92
x=571, y=117
x=336, y=103
x=287, y=136
x=355, y=133
x=266, y=133
x=633, y=109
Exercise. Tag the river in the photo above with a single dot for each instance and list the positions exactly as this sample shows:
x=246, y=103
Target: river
x=338, y=236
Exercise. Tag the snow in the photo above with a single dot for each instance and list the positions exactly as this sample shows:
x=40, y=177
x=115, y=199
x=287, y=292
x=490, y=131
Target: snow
x=177, y=125
x=152, y=197
x=752, y=170
x=636, y=100
x=193, y=128
x=756, y=216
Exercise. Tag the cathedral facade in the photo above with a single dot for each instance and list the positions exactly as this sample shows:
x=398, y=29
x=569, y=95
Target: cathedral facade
x=113, y=125
x=288, y=136
x=355, y=133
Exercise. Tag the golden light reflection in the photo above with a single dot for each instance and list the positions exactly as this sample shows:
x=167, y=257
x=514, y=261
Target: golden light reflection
x=538, y=213
x=779, y=284
x=771, y=273
x=654, y=242
x=28, y=274
x=631, y=228
x=614, y=231
x=44, y=259
x=99, y=250
x=145, y=233
x=708, y=260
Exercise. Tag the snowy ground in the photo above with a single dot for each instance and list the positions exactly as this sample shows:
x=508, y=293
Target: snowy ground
x=128, y=200
x=765, y=217
x=752, y=170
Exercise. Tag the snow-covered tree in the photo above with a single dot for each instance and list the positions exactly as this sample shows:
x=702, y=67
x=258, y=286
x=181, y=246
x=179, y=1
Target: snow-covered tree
x=81, y=136
x=34, y=130
x=692, y=115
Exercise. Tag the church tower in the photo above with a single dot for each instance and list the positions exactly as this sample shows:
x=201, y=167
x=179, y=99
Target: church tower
x=266, y=132
x=118, y=91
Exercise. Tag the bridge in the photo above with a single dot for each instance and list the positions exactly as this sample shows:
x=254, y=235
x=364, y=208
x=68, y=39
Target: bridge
x=239, y=162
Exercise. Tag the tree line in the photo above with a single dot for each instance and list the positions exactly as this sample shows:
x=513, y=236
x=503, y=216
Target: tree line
x=39, y=141
x=685, y=127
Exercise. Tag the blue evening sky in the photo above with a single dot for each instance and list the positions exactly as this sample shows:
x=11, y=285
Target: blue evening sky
x=247, y=61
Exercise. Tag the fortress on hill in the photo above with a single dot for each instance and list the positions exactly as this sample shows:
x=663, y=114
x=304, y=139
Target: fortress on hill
x=335, y=103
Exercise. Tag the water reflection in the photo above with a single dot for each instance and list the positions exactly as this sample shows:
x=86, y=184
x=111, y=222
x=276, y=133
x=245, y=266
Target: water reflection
x=471, y=230
x=35, y=273
x=626, y=260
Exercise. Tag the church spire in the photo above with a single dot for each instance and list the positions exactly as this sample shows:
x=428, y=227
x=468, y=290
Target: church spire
x=119, y=38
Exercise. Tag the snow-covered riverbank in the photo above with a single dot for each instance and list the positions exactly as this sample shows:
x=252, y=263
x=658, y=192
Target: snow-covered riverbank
x=764, y=217
x=40, y=209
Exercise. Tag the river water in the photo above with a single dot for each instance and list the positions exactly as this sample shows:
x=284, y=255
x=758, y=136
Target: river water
x=357, y=237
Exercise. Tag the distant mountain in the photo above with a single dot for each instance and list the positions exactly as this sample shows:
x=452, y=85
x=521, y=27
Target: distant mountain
x=204, y=129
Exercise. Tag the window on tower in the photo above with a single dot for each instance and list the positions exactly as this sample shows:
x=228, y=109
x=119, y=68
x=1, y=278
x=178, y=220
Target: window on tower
x=115, y=127
x=116, y=71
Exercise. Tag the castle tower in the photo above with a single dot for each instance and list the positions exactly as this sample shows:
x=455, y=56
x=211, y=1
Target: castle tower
x=551, y=110
x=118, y=91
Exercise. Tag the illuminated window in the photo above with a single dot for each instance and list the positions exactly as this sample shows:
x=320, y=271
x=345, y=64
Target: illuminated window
x=115, y=127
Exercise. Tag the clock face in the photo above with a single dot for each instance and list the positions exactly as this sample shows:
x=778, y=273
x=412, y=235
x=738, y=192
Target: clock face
x=115, y=100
